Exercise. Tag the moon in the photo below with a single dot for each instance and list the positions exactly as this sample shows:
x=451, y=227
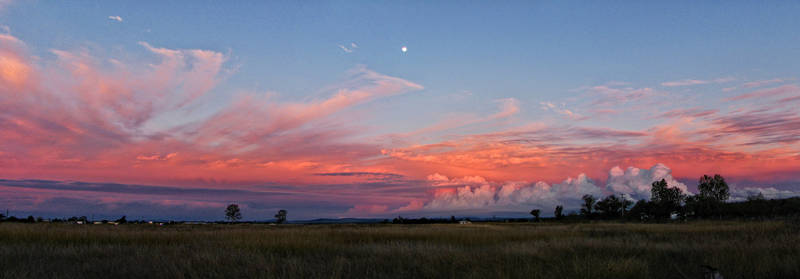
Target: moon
x=404, y=49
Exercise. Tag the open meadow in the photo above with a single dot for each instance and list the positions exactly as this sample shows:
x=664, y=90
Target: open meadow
x=755, y=249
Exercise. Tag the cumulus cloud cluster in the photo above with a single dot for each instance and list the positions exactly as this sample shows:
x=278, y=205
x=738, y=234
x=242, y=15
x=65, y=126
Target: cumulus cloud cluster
x=475, y=192
x=636, y=182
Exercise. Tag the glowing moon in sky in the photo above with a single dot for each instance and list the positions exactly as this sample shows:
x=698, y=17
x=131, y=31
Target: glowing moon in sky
x=404, y=49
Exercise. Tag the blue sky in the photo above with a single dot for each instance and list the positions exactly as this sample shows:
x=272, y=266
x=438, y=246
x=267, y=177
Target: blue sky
x=499, y=50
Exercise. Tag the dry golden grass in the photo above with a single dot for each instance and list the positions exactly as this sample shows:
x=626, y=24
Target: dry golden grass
x=769, y=249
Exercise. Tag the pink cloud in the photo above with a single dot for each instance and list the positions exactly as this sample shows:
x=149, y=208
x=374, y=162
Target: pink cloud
x=562, y=110
x=550, y=152
x=760, y=83
x=689, y=82
x=101, y=114
x=763, y=127
x=789, y=99
x=252, y=120
x=156, y=157
x=606, y=95
x=508, y=107
x=691, y=112
x=769, y=92
x=15, y=71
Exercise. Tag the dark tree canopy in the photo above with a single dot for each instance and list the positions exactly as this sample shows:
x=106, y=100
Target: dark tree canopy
x=640, y=210
x=281, y=216
x=535, y=214
x=612, y=206
x=559, y=212
x=713, y=188
x=661, y=193
x=588, y=204
x=232, y=213
x=665, y=200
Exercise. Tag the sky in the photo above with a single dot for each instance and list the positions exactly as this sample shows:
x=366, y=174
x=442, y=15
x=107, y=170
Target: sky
x=378, y=109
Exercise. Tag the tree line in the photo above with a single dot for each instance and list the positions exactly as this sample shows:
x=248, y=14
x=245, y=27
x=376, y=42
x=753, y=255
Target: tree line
x=671, y=203
x=665, y=203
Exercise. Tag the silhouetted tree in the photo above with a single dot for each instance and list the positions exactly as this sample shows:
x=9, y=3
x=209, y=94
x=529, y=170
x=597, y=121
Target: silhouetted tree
x=232, y=213
x=30, y=219
x=281, y=216
x=696, y=207
x=535, y=214
x=559, y=212
x=588, y=204
x=610, y=207
x=665, y=200
x=640, y=211
x=713, y=192
x=453, y=219
x=713, y=188
x=626, y=204
x=122, y=220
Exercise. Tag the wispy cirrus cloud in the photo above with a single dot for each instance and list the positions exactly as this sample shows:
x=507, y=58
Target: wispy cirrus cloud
x=789, y=99
x=690, y=112
x=760, y=83
x=608, y=95
x=768, y=92
x=108, y=119
x=156, y=157
x=689, y=82
x=349, y=48
x=762, y=127
x=508, y=108
x=562, y=110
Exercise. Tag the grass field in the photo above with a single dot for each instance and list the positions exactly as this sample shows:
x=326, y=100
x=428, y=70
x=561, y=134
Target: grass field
x=768, y=249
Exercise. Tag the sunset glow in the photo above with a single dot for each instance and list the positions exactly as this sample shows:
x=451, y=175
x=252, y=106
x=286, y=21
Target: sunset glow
x=162, y=112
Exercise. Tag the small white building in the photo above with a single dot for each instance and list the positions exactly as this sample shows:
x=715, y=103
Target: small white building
x=464, y=222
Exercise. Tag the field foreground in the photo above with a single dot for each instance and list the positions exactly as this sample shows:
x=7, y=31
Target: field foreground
x=768, y=249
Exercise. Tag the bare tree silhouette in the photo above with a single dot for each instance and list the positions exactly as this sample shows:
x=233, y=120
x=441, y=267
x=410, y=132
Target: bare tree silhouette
x=232, y=213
